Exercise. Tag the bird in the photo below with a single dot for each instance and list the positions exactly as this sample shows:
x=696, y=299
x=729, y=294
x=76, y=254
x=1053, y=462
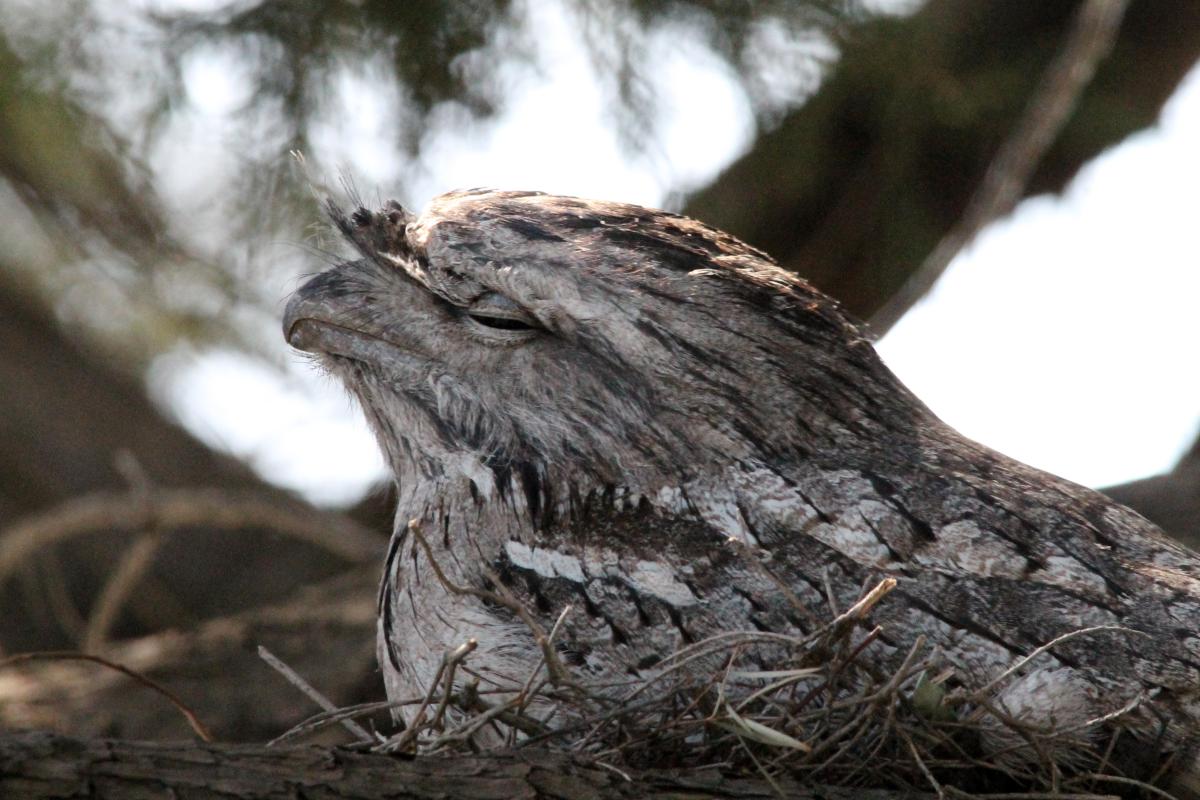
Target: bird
x=632, y=414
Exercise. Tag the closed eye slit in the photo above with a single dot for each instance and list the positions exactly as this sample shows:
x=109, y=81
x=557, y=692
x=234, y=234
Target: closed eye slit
x=503, y=323
x=494, y=310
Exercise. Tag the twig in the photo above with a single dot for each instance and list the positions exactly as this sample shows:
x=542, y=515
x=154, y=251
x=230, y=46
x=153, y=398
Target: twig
x=66, y=655
x=912, y=748
x=775, y=787
x=311, y=693
x=1122, y=781
x=976, y=694
x=524, y=696
x=336, y=716
x=399, y=743
x=62, y=606
x=559, y=675
x=452, y=659
x=860, y=609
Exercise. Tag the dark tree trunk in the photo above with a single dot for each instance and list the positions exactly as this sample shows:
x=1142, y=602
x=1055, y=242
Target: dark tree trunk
x=66, y=413
x=1170, y=500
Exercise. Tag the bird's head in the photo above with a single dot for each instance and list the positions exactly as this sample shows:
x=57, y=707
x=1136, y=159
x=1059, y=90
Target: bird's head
x=596, y=343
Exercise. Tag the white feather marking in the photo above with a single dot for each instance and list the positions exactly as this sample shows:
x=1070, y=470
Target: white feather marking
x=547, y=563
x=853, y=536
x=654, y=578
x=715, y=504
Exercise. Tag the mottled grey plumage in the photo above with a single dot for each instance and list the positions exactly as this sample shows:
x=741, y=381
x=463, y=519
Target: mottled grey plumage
x=587, y=400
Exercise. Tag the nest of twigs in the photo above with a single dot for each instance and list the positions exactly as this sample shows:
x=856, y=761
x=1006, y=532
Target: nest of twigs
x=824, y=714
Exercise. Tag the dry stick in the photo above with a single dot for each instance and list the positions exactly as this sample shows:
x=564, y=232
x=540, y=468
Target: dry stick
x=1133, y=703
x=775, y=787
x=469, y=728
x=859, y=724
x=1109, y=749
x=912, y=748
x=839, y=627
x=450, y=662
x=868, y=758
x=326, y=718
x=981, y=692
x=336, y=716
x=311, y=693
x=67, y=655
x=471, y=700
x=903, y=673
x=1164, y=768
x=186, y=508
x=1033, y=735
x=1145, y=787
x=398, y=743
x=861, y=608
x=763, y=693
x=525, y=697
x=830, y=597
x=1091, y=37
x=453, y=659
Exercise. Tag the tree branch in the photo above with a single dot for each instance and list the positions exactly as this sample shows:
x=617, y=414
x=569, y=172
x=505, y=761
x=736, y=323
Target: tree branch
x=45, y=765
x=1053, y=101
x=854, y=189
x=325, y=632
x=1170, y=500
x=170, y=509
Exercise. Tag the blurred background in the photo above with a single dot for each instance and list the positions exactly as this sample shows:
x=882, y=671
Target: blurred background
x=166, y=462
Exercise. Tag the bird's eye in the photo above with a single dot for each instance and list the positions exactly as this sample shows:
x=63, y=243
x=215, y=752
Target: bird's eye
x=498, y=313
x=502, y=323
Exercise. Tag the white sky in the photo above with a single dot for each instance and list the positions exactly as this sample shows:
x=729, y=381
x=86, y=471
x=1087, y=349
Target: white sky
x=1066, y=336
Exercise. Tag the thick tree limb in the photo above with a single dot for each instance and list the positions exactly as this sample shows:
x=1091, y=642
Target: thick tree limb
x=854, y=189
x=45, y=765
x=1089, y=40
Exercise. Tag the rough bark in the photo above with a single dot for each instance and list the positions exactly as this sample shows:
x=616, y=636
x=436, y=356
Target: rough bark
x=44, y=765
